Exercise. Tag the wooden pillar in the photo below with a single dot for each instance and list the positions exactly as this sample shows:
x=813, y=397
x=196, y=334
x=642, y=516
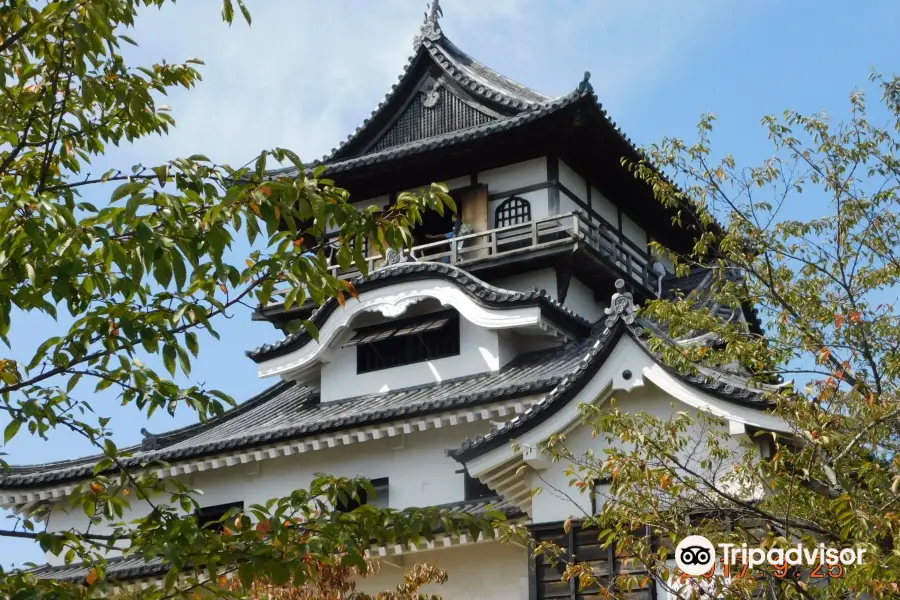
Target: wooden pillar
x=473, y=206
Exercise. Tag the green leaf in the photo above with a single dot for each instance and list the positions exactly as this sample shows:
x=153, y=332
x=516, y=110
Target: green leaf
x=311, y=328
x=184, y=360
x=190, y=340
x=245, y=12
x=246, y=574
x=11, y=430
x=169, y=356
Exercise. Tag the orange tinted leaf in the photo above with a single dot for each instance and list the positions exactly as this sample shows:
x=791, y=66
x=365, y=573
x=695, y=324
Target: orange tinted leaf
x=838, y=321
x=266, y=190
x=351, y=289
x=277, y=212
x=341, y=300
x=97, y=487
x=222, y=287
x=92, y=576
x=250, y=263
x=856, y=316
x=255, y=208
x=223, y=581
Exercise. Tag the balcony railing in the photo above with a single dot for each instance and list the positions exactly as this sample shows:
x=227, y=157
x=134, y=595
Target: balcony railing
x=558, y=230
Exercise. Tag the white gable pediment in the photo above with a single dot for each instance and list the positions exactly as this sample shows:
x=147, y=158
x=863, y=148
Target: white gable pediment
x=393, y=301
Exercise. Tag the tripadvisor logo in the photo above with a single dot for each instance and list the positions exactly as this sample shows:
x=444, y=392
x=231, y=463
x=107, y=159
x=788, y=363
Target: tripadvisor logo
x=695, y=555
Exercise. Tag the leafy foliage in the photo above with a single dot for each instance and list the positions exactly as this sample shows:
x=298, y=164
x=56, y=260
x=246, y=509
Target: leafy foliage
x=340, y=582
x=142, y=275
x=826, y=286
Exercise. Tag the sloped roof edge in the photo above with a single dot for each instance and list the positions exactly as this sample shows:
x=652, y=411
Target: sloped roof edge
x=127, y=569
x=478, y=290
x=621, y=321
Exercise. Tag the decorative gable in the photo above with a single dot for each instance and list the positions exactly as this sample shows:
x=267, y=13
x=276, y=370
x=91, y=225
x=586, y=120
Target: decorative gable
x=433, y=110
x=442, y=90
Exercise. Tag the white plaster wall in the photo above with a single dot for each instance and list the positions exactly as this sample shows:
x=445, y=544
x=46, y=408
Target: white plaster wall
x=479, y=353
x=633, y=232
x=558, y=501
x=665, y=260
x=483, y=571
x=567, y=205
x=573, y=182
x=543, y=279
x=579, y=298
x=420, y=474
x=514, y=176
x=604, y=207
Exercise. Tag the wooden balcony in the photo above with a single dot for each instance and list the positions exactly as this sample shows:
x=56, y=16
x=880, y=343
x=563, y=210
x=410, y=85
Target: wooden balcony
x=601, y=252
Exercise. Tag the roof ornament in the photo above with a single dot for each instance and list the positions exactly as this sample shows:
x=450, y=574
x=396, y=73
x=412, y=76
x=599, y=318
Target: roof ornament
x=431, y=92
x=150, y=441
x=430, y=29
x=621, y=306
x=585, y=85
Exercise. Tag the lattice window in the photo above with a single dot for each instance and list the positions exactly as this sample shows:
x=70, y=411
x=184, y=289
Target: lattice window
x=212, y=517
x=512, y=211
x=405, y=342
x=615, y=568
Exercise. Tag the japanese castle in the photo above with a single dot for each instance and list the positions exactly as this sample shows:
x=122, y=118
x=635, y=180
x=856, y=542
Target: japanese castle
x=460, y=346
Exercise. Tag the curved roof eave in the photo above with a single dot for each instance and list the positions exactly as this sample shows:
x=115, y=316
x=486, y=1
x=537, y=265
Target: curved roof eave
x=483, y=293
x=622, y=321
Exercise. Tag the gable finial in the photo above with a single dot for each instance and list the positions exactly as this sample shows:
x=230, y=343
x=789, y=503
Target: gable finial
x=585, y=85
x=434, y=12
x=150, y=441
x=430, y=29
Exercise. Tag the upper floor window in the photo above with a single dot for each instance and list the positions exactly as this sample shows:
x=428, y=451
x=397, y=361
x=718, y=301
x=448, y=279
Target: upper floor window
x=407, y=341
x=606, y=563
x=512, y=211
x=212, y=516
x=475, y=490
x=380, y=500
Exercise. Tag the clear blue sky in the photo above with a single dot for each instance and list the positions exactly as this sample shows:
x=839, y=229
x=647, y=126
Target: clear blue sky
x=308, y=72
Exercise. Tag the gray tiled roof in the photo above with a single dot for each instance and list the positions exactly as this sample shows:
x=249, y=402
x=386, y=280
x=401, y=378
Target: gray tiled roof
x=447, y=139
x=475, y=77
x=289, y=411
x=700, y=283
x=480, y=291
x=621, y=322
x=135, y=567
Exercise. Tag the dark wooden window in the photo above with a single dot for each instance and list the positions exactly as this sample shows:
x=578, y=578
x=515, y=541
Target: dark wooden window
x=350, y=504
x=610, y=565
x=407, y=341
x=512, y=211
x=211, y=516
x=475, y=490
